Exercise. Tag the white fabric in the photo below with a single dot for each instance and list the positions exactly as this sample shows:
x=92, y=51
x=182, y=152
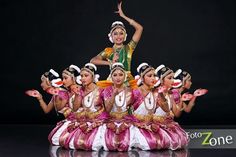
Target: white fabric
x=56, y=136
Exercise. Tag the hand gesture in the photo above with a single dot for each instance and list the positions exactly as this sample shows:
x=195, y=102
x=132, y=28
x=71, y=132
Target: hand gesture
x=186, y=97
x=75, y=89
x=200, y=92
x=162, y=89
x=120, y=11
x=115, y=58
x=115, y=91
x=33, y=93
x=53, y=91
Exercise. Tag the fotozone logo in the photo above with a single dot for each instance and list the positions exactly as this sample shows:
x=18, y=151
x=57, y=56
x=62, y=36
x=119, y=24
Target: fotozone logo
x=212, y=138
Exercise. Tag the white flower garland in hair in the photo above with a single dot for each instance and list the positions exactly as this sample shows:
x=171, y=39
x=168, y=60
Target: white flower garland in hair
x=177, y=73
x=54, y=72
x=159, y=68
x=75, y=67
x=78, y=80
x=140, y=66
x=113, y=27
x=56, y=82
x=177, y=82
x=92, y=65
x=96, y=77
x=139, y=80
x=158, y=82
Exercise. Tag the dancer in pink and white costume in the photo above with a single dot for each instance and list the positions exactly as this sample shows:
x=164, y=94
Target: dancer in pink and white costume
x=147, y=136
x=118, y=134
x=165, y=120
x=67, y=107
x=86, y=132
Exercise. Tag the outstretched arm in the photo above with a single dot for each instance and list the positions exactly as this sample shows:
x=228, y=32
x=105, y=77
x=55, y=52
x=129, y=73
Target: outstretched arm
x=189, y=107
x=138, y=28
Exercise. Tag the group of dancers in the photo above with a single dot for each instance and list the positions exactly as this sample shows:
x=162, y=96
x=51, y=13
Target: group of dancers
x=122, y=112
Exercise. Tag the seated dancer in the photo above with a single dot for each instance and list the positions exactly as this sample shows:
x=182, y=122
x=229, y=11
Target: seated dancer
x=183, y=82
x=120, y=52
x=165, y=120
x=66, y=107
x=147, y=100
x=86, y=132
x=117, y=132
x=49, y=80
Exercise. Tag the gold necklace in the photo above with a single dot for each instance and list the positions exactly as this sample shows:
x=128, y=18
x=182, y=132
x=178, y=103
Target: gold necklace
x=149, y=109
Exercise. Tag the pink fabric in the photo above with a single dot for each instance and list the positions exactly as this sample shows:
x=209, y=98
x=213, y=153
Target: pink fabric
x=86, y=138
x=117, y=142
x=59, y=124
x=176, y=95
x=137, y=98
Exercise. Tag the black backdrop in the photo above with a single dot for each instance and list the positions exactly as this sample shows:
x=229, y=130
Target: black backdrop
x=195, y=35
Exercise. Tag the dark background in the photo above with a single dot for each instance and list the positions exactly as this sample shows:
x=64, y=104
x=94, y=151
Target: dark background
x=195, y=35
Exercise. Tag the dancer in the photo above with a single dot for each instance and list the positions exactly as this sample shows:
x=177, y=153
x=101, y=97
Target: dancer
x=120, y=52
x=183, y=82
x=68, y=103
x=50, y=81
x=148, y=136
x=118, y=134
x=85, y=133
x=165, y=120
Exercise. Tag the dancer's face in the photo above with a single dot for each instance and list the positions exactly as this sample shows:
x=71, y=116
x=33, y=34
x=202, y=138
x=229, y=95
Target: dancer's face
x=188, y=83
x=149, y=78
x=67, y=80
x=118, y=36
x=45, y=83
x=168, y=80
x=86, y=77
x=118, y=77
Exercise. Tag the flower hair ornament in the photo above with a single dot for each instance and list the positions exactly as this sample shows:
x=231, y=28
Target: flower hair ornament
x=180, y=77
x=142, y=69
x=162, y=71
x=91, y=68
x=53, y=77
x=116, y=66
x=177, y=80
x=73, y=71
x=117, y=24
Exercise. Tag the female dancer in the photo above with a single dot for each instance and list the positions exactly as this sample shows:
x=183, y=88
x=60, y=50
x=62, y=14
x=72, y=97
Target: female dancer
x=148, y=136
x=117, y=132
x=165, y=120
x=49, y=80
x=85, y=134
x=120, y=52
x=183, y=80
x=67, y=107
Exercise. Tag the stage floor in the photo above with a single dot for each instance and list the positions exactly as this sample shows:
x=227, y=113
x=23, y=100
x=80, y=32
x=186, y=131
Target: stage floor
x=31, y=140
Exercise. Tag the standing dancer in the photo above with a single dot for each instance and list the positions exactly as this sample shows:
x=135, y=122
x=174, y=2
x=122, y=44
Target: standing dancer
x=120, y=52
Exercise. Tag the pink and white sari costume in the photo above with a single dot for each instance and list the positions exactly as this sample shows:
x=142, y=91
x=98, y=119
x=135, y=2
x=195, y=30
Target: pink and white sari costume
x=147, y=138
x=118, y=132
x=178, y=136
x=54, y=136
x=87, y=132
